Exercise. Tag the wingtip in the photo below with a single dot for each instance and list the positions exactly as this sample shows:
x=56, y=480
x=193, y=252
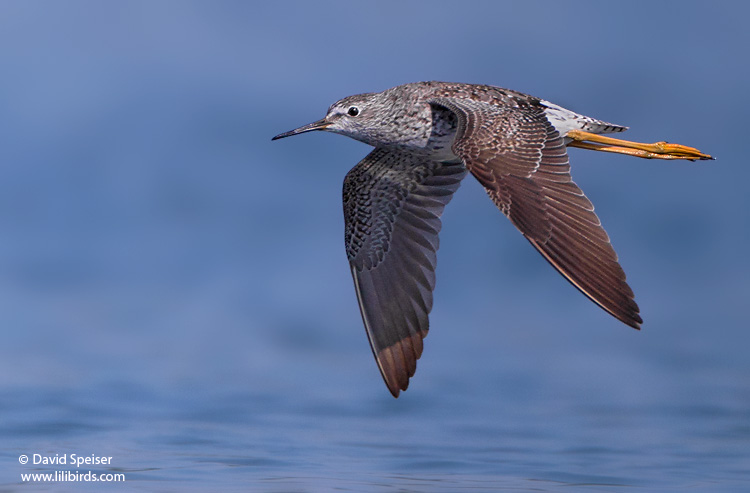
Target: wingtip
x=394, y=387
x=395, y=369
x=635, y=321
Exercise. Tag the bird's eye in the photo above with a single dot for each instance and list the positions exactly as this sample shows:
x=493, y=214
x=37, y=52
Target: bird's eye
x=353, y=111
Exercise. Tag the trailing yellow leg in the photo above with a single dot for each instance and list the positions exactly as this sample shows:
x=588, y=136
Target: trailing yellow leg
x=657, y=150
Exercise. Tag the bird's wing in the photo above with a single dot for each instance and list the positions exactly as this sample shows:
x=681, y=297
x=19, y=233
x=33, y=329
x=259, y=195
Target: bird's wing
x=392, y=206
x=522, y=161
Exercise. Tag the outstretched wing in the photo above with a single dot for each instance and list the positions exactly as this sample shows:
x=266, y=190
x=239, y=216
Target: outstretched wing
x=392, y=206
x=522, y=161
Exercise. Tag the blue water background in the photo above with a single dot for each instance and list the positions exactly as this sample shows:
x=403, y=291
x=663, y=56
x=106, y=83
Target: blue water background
x=174, y=291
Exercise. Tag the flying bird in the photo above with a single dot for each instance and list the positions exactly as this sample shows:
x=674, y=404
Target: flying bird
x=427, y=136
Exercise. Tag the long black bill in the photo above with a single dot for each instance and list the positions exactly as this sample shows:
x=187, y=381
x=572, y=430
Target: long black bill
x=319, y=125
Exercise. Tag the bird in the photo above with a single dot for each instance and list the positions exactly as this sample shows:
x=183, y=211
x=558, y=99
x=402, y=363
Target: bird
x=427, y=136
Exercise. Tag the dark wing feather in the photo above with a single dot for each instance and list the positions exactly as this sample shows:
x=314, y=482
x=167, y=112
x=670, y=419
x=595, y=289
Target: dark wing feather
x=393, y=201
x=522, y=161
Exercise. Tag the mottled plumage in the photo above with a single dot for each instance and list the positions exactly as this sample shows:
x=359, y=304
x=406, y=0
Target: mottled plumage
x=427, y=136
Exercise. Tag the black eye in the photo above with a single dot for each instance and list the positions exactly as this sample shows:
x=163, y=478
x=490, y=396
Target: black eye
x=353, y=111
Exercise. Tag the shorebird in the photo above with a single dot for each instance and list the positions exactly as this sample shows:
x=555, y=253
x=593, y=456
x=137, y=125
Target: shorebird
x=427, y=136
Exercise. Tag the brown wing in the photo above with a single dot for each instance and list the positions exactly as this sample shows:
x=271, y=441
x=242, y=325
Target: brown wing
x=522, y=161
x=392, y=207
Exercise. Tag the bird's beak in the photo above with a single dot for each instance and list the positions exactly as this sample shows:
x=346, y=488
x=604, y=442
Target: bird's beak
x=319, y=125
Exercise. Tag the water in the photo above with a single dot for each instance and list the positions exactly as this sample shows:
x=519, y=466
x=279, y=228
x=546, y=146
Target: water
x=174, y=292
x=526, y=432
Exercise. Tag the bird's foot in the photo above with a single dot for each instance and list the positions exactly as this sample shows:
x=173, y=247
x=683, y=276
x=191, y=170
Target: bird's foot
x=657, y=150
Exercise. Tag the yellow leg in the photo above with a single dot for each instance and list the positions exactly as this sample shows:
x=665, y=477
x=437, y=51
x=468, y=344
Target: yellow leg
x=657, y=150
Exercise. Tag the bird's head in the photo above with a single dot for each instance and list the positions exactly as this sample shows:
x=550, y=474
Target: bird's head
x=353, y=116
x=372, y=118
